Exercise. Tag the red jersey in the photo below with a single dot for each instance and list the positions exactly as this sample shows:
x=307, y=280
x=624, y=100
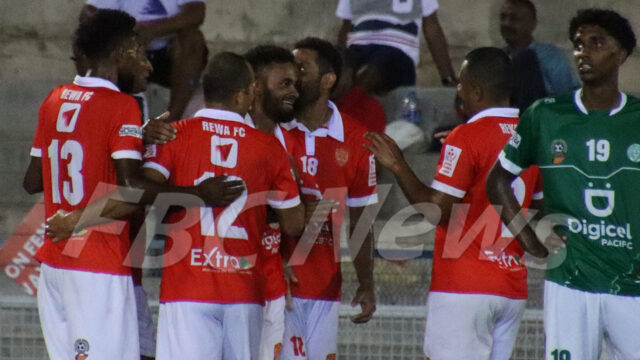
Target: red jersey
x=275, y=286
x=82, y=128
x=329, y=158
x=475, y=253
x=215, y=258
x=364, y=108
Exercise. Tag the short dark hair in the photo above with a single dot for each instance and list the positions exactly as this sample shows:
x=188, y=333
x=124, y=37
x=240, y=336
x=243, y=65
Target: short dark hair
x=528, y=5
x=491, y=69
x=226, y=74
x=262, y=56
x=329, y=58
x=612, y=22
x=103, y=32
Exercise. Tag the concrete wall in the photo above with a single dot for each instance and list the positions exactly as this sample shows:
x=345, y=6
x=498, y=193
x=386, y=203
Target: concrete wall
x=35, y=49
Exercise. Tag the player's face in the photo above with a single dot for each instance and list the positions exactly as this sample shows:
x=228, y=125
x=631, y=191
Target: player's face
x=516, y=23
x=280, y=93
x=465, y=91
x=247, y=95
x=134, y=68
x=309, y=78
x=597, y=54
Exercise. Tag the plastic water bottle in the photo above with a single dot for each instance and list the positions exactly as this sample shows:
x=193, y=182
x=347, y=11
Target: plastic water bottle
x=410, y=109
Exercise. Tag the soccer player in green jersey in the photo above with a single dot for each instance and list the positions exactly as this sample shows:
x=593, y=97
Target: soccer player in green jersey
x=587, y=145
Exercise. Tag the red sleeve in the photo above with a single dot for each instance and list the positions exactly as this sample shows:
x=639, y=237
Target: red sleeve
x=125, y=134
x=284, y=194
x=363, y=189
x=38, y=140
x=455, y=171
x=160, y=157
x=537, y=190
x=39, y=145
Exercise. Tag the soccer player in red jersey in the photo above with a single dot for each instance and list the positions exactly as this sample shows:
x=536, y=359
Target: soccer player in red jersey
x=478, y=286
x=327, y=148
x=211, y=299
x=88, y=134
x=275, y=94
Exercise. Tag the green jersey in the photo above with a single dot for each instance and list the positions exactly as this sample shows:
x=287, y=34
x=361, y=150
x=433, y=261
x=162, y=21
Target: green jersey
x=590, y=166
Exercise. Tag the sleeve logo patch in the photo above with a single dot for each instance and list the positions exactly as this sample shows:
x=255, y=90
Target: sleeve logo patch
x=131, y=130
x=451, y=157
x=372, y=171
x=515, y=140
x=150, y=151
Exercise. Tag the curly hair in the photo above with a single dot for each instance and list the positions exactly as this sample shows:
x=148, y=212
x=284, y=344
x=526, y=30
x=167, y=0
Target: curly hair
x=102, y=33
x=262, y=56
x=612, y=22
x=329, y=58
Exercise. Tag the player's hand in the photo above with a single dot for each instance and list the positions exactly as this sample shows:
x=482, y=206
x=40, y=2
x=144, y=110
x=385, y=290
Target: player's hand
x=385, y=150
x=289, y=278
x=316, y=212
x=555, y=242
x=442, y=135
x=218, y=191
x=158, y=130
x=366, y=298
x=60, y=226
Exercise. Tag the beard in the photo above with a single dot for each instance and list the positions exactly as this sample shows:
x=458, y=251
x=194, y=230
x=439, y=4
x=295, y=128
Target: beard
x=274, y=109
x=309, y=94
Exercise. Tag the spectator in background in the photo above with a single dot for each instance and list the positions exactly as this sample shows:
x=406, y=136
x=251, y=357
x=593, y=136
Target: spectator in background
x=175, y=45
x=541, y=69
x=354, y=101
x=384, y=36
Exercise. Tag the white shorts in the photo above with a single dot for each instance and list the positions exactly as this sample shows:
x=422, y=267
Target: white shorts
x=311, y=330
x=471, y=326
x=272, y=329
x=577, y=323
x=87, y=315
x=192, y=330
x=146, y=329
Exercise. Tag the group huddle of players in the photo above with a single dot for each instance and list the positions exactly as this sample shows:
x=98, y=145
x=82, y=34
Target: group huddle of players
x=266, y=172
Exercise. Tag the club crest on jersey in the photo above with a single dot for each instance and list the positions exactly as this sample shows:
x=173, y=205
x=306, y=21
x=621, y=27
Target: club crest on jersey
x=558, y=151
x=599, y=202
x=342, y=156
x=633, y=153
x=81, y=348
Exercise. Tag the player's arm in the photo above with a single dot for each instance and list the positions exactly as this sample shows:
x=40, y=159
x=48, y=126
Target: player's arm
x=291, y=220
x=32, y=182
x=190, y=16
x=499, y=193
x=363, y=264
x=344, y=31
x=438, y=47
x=390, y=156
x=213, y=192
x=343, y=11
